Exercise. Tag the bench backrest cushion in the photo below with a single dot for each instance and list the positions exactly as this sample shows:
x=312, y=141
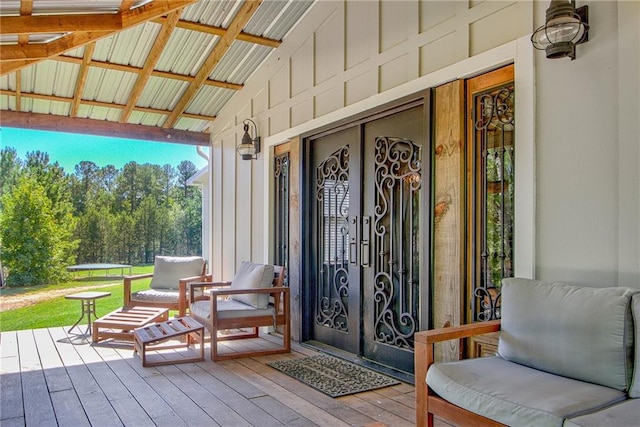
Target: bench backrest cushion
x=252, y=276
x=635, y=310
x=168, y=270
x=577, y=332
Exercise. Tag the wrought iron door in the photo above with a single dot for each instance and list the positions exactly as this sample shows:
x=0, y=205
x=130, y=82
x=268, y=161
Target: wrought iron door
x=395, y=200
x=335, y=278
x=369, y=243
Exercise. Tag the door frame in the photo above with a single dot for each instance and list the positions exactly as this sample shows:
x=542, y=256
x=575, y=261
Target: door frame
x=422, y=97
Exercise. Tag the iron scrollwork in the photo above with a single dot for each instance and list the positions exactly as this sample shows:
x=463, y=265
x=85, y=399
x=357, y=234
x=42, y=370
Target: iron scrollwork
x=281, y=202
x=494, y=123
x=396, y=242
x=332, y=197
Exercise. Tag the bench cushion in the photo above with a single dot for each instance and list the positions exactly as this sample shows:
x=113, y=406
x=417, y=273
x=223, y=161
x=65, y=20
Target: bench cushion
x=167, y=296
x=167, y=270
x=230, y=309
x=569, y=330
x=622, y=414
x=514, y=394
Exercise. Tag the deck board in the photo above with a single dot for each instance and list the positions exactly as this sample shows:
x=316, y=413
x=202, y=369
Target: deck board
x=51, y=377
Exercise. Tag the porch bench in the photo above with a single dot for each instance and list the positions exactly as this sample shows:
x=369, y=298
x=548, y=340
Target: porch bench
x=565, y=357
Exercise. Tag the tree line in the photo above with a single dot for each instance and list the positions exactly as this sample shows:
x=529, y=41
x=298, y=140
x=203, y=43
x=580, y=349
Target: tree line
x=50, y=219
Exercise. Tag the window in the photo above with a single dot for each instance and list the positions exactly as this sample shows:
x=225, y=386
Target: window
x=491, y=165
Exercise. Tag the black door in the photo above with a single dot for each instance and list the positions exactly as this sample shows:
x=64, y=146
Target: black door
x=369, y=236
x=335, y=207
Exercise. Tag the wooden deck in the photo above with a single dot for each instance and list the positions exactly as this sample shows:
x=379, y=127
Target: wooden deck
x=49, y=377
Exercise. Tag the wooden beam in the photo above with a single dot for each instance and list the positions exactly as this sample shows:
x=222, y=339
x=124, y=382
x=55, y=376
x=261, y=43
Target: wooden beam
x=219, y=31
x=155, y=73
x=126, y=5
x=152, y=59
x=153, y=10
x=26, y=7
x=103, y=104
x=129, y=18
x=81, y=80
x=53, y=123
x=242, y=17
x=43, y=51
x=34, y=24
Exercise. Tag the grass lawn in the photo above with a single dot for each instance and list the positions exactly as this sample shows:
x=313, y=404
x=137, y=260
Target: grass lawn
x=59, y=311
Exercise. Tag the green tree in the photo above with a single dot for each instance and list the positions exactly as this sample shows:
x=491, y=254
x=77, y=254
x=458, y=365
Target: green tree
x=10, y=169
x=35, y=246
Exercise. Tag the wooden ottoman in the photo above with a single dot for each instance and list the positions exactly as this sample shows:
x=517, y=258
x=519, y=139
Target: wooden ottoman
x=152, y=336
x=120, y=324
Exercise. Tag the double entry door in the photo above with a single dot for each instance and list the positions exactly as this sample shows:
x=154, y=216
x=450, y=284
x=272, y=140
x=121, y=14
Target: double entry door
x=368, y=240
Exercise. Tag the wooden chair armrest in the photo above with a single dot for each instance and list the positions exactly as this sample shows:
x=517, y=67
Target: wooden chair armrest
x=424, y=357
x=127, y=286
x=204, y=285
x=456, y=332
x=137, y=277
x=222, y=292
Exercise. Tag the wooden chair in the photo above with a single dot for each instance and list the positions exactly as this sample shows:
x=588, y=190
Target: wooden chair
x=254, y=298
x=428, y=403
x=168, y=287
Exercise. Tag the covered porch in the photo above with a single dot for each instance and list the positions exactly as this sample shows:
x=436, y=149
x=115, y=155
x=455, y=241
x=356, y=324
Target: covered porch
x=51, y=377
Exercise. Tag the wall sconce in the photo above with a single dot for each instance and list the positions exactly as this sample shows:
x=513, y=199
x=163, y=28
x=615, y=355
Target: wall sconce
x=250, y=147
x=565, y=27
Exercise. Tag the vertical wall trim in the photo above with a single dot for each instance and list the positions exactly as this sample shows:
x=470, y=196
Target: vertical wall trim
x=525, y=155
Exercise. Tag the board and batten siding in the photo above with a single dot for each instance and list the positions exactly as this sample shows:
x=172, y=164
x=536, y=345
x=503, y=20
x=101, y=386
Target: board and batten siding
x=343, y=58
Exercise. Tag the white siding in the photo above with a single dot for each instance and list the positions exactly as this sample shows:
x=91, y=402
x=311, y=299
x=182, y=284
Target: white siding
x=581, y=225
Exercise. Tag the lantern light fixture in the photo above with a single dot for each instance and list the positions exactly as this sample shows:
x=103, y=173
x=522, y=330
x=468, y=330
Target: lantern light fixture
x=250, y=147
x=564, y=28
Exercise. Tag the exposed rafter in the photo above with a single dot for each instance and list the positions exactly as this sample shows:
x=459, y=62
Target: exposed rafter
x=242, y=17
x=217, y=31
x=100, y=127
x=78, y=38
x=101, y=104
x=161, y=40
x=52, y=60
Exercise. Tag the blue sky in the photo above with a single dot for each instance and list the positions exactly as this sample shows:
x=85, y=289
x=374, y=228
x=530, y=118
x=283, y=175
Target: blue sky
x=70, y=149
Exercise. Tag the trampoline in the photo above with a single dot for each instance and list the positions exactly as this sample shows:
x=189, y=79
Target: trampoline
x=98, y=266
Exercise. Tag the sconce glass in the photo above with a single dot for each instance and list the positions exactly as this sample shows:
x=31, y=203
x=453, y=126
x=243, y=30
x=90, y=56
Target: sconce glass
x=565, y=27
x=250, y=147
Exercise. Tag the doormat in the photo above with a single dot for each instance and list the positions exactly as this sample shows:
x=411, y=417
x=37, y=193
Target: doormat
x=333, y=376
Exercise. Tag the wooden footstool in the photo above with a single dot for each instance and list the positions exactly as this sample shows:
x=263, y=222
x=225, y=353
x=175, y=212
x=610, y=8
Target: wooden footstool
x=152, y=336
x=121, y=323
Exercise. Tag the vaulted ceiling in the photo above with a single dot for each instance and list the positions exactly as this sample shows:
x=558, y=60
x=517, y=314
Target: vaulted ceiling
x=157, y=70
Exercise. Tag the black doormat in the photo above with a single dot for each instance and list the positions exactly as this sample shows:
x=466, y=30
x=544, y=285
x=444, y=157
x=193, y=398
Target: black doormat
x=332, y=376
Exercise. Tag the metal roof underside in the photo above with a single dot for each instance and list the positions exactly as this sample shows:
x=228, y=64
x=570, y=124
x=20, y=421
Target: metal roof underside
x=171, y=64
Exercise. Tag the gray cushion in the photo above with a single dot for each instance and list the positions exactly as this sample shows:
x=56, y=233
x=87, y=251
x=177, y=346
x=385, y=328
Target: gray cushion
x=514, y=394
x=156, y=295
x=620, y=415
x=578, y=332
x=228, y=309
x=167, y=271
x=253, y=276
x=635, y=310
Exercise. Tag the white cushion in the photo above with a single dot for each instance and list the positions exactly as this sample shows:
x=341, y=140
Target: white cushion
x=167, y=271
x=253, y=276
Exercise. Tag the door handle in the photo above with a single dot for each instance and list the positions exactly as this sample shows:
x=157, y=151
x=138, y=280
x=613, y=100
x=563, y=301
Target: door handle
x=353, y=240
x=365, y=252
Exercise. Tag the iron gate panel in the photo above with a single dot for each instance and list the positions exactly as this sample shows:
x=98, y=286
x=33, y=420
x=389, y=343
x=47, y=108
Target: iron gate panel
x=396, y=241
x=332, y=211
